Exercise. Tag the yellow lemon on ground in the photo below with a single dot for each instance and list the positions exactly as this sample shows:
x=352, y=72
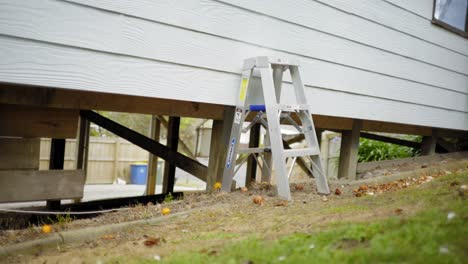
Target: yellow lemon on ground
x=217, y=186
x=165, y=211
x=46, y=229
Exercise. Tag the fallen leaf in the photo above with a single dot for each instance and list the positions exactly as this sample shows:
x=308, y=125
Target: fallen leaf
x=338, y=191
x=282, y=203
x=152, y=241
x=257, y=199
x=454, y=183
x=398, y=211
x=363, y=188
x=108, y=237
x=299, y=187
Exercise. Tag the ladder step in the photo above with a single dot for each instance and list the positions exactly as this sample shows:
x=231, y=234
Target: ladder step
x=253, y=150
x=300, y=152
x=293, y=107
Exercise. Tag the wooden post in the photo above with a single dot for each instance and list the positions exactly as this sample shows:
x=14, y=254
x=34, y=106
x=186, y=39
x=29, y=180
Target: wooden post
x=349, y=151
x=183, y=147
x=57, y=158
x=82, y=145
x=153, y=159
x=251, y=162
x=220, y=133
x=428, y=145
x=172, y=143
x=116, y=158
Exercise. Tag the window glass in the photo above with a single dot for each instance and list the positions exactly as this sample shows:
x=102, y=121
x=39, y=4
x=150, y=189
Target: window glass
x=452, y=13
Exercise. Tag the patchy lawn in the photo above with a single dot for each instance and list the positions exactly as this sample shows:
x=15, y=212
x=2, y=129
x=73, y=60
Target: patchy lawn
x=422, y=221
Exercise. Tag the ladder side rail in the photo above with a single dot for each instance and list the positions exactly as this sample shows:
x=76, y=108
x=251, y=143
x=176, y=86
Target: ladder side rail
x=273, y=130
x=309, y=130
x=236, y=130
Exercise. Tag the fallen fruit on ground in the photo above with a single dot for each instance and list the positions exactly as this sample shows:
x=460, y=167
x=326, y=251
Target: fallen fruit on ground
x=338, y=191
x=165, y=211
x=46, y=229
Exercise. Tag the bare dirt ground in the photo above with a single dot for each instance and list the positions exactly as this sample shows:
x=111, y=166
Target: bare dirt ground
x=211, y=221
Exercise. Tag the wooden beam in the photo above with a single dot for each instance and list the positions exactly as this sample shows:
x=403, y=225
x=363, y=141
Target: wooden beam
x=31, y=122
x=23, y=186
x=153, y=159
x=349, y=151
x=185, y=163
x=74, y=99
x=56, y=162
x=19, y=153
x=392, y=140
x=295, y=139
x=220, y=133
x=251, y=162
x=172, y=144
x=119, y=202
x=429, y=143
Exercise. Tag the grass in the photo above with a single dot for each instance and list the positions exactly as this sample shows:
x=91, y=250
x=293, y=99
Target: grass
x=427, y=236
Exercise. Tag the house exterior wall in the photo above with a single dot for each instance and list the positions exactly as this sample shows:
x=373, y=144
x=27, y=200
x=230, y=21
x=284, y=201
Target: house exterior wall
x=370, y=59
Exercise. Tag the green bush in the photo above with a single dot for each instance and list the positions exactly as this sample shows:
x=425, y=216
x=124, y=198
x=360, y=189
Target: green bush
x=372, y=150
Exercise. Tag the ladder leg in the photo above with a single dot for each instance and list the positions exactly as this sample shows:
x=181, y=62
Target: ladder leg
x=274, y=131
x=236, y=130
x=309, y=133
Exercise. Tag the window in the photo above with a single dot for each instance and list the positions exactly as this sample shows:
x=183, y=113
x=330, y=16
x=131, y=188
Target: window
x=452, y=15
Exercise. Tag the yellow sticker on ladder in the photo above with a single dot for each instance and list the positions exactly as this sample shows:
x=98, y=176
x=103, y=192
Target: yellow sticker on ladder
x=243, y=88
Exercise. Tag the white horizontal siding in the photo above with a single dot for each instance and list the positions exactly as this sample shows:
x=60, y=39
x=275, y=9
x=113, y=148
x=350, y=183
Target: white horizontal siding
x=397, y=18
x=423, y=8
x=104, y=31
x=193, y=50
x=231, y=22
x=35, y=63
x=318, y=16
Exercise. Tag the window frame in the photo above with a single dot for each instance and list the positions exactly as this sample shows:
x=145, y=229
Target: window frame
x=448, y=27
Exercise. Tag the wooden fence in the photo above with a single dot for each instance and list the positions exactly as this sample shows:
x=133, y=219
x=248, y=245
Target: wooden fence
x=109, y=158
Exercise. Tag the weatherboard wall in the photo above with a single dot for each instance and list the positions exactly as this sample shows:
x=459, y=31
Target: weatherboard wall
x=370, y=59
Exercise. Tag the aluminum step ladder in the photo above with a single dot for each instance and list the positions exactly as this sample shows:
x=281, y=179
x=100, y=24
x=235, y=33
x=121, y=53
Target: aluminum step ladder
x=270, y=113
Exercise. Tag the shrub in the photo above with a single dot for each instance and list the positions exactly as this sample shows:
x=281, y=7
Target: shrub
x=372, y=150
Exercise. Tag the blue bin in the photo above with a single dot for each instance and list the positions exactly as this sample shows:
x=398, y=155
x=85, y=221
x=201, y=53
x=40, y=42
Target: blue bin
x=138, y=173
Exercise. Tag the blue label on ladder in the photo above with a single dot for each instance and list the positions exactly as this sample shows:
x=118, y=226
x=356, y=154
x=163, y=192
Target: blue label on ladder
x=230, y=153
x=257, y=108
